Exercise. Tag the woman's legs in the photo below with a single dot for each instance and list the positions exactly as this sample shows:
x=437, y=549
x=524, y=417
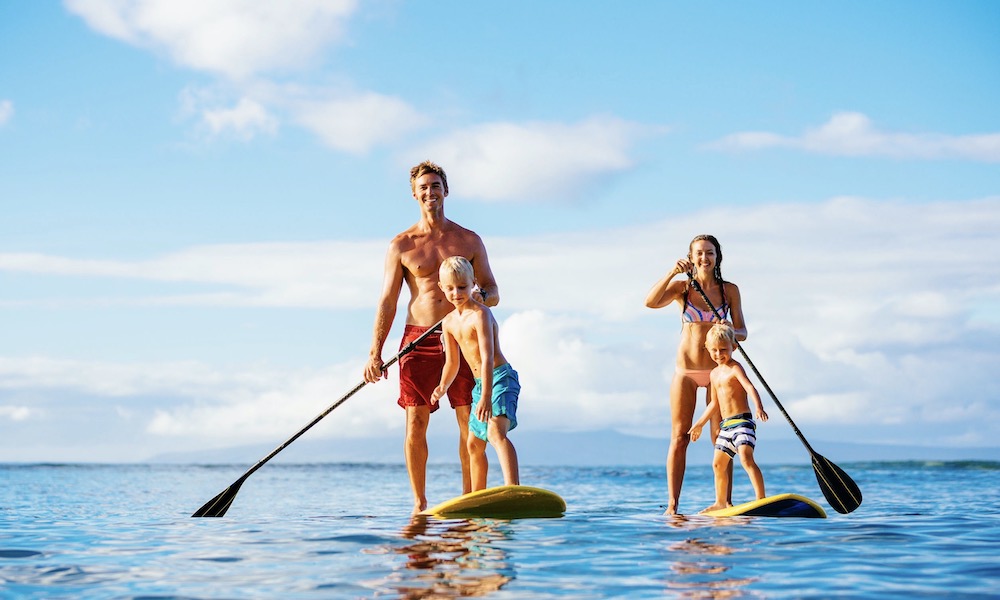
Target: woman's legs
x=683, y=395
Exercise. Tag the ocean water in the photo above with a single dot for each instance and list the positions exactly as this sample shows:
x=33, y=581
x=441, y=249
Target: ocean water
x=925, y=530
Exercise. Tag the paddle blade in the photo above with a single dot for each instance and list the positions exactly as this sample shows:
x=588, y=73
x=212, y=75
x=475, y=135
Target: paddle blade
x=217, y=507
x=838, y=487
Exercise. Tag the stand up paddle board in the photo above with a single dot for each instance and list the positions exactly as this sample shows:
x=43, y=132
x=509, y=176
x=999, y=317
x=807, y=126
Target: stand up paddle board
x=502, y=502
x=782, y=505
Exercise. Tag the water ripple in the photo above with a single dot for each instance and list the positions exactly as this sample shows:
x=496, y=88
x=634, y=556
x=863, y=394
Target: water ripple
x=91, y=539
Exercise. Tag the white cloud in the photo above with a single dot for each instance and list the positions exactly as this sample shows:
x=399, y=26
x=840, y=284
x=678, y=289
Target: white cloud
x=854, y=134
x=112, y=379
x=236, y=38
x=242, y=121
x=511, y=161
x=6, y=111
x=194, y=400
x=842, y=300
x=570, y=380
x=357, y=123
x=859, y=311
x=321, y=274
x=281, y=403
x=246, y=40
x=15, y=413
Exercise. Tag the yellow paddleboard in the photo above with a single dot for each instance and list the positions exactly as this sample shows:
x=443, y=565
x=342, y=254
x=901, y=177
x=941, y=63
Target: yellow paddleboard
x=782, y=505
x=502, y=502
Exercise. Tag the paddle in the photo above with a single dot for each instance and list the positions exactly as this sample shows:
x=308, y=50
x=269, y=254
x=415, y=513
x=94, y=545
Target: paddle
x=217, y=507
x=838, y=487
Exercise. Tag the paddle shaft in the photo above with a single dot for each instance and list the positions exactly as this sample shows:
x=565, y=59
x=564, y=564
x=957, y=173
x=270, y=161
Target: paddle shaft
x=220, y=504
x=837, y=486
x=697, y=286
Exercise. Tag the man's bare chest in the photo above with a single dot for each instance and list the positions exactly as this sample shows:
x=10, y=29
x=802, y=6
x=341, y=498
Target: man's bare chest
x=424, y=261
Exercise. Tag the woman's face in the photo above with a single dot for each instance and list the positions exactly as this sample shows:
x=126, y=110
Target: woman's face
x=703, y=256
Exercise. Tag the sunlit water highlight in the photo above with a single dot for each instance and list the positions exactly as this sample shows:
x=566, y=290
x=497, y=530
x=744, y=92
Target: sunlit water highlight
x=342, y=531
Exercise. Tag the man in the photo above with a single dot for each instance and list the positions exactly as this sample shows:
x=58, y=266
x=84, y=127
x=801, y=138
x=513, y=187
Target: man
x=414, y=257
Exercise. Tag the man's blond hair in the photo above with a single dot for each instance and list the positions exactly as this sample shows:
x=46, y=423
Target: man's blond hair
x=425, y=168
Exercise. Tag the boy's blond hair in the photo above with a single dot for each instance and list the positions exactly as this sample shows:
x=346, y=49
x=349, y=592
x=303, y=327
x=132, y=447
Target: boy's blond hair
x=721, y=332
x=458, y=266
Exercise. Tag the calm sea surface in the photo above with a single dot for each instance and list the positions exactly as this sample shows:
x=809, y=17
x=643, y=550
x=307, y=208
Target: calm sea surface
x=925, y=530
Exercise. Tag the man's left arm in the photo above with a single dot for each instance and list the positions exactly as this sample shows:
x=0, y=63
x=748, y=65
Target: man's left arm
x=488, y=289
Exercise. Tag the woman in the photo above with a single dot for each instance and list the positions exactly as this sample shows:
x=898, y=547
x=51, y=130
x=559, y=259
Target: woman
x=703, y=263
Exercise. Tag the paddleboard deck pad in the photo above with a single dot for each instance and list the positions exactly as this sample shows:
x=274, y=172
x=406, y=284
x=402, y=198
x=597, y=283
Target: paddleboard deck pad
x=782, y=505
x=502, y=502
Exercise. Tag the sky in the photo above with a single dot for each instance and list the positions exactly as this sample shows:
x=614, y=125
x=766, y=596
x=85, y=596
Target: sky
x=196, y=198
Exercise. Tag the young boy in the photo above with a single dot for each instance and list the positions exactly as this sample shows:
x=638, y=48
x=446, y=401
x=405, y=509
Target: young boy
x=730, y=389
x=472, y=330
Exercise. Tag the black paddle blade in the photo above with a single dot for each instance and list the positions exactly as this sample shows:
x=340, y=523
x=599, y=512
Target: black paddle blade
x=838, y=487
x=217, y=507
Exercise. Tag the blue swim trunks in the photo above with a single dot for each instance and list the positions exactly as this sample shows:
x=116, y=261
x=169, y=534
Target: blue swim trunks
x=506, y=389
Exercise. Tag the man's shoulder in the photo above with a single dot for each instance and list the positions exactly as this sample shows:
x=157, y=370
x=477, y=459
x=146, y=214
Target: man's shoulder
x=406, y=237
x=419, y=229
x=453, y=228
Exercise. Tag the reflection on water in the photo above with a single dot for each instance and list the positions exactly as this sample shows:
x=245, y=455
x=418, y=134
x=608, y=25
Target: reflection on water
x=452, y=559
x=112, y=532
x=700, y=567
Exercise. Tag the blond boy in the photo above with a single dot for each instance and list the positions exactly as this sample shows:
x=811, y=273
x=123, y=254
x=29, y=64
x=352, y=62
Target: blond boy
x=731, y=389
x=471, y=331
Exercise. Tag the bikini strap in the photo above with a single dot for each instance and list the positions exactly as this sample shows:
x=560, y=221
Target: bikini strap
x=725, y=301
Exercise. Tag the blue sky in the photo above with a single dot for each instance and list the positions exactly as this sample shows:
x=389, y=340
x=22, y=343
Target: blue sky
x=197, y=197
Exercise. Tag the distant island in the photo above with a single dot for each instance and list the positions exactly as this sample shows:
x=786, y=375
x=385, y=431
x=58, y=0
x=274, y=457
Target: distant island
x=593, y=448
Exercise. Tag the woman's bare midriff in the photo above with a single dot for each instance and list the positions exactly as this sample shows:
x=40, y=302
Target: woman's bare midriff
x=691, y=353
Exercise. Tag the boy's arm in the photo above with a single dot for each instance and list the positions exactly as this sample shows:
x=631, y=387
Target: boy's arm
x=751, y=391
x=484, y=333
x=450, y=369
x=695, y=431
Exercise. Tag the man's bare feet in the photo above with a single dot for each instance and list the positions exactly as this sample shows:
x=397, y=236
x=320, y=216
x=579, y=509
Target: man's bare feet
x=715, y=506
x=671, y=510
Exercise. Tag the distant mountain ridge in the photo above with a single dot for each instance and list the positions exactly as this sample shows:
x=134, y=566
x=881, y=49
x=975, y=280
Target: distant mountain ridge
x=592, y=448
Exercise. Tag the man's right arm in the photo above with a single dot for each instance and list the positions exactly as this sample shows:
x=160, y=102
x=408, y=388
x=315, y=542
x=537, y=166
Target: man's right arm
x=385, y=313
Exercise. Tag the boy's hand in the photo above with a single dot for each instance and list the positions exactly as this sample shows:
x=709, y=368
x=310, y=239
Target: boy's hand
x=761, y=415
x=695, y=432
x=436, y=395
x=484, y=411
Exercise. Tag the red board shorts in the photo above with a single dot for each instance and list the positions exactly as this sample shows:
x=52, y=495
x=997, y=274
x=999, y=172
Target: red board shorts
x=420, y=372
